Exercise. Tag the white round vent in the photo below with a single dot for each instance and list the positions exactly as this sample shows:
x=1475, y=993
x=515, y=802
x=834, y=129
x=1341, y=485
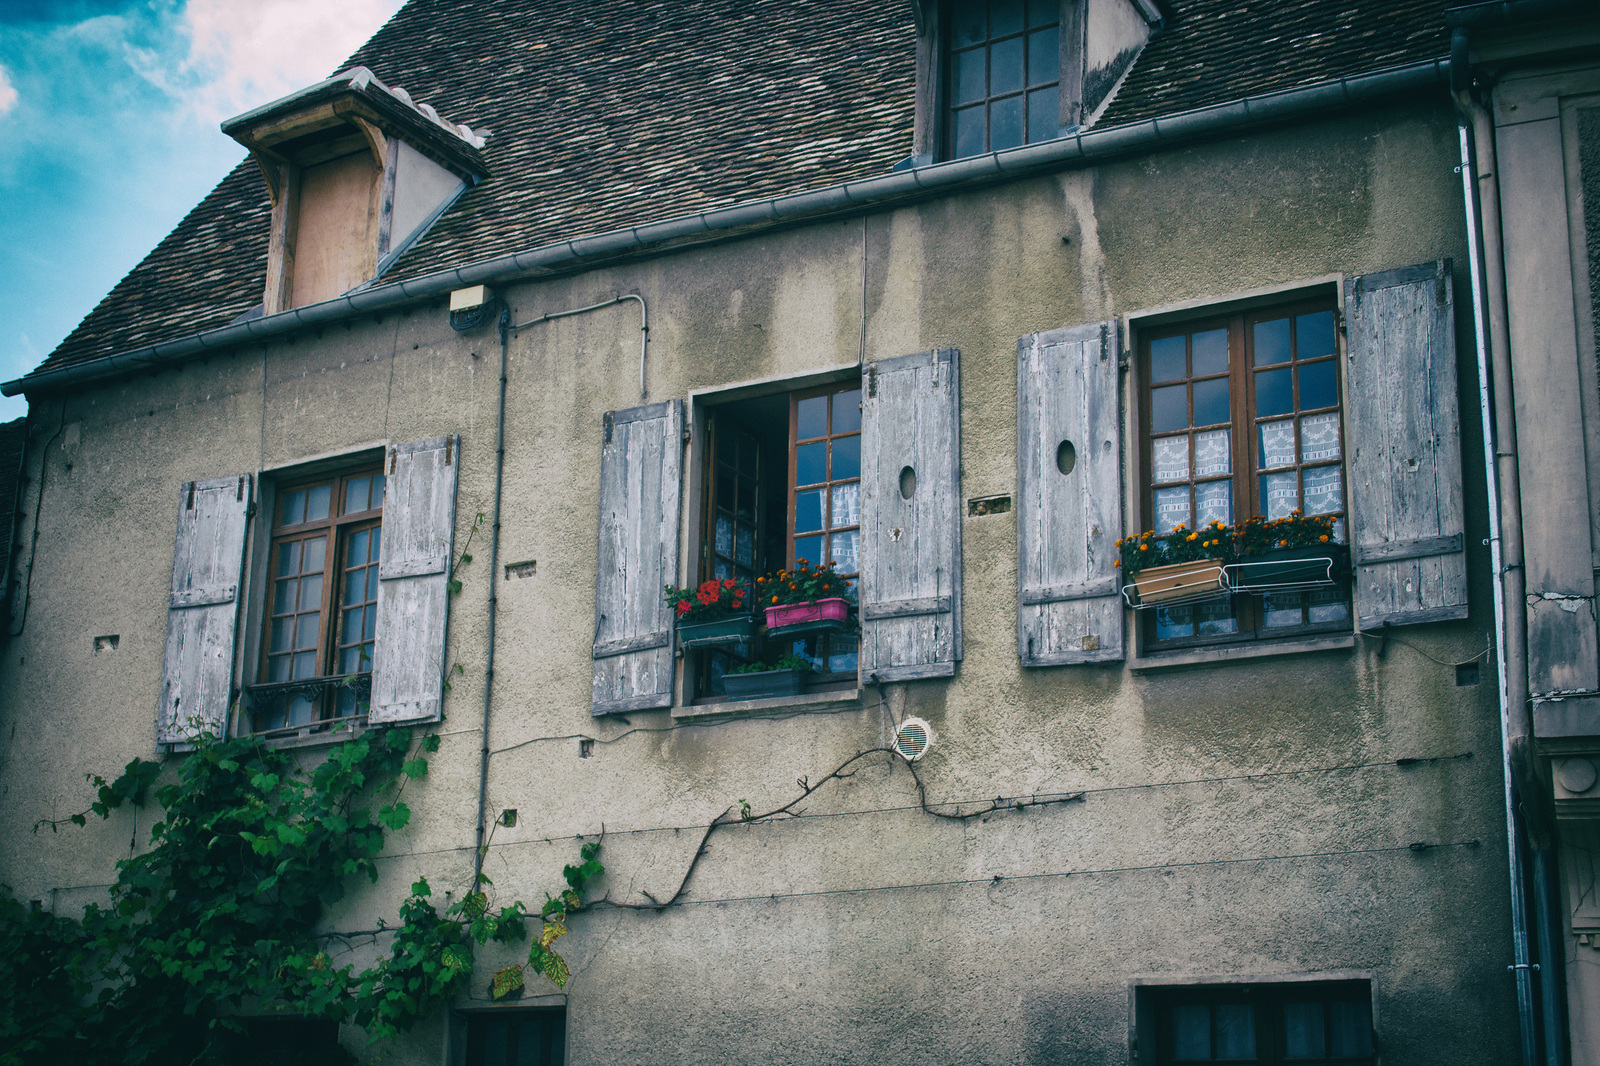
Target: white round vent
x=913, y=739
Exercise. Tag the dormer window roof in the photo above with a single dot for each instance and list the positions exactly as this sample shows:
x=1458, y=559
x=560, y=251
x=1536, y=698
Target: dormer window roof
x=357, y=172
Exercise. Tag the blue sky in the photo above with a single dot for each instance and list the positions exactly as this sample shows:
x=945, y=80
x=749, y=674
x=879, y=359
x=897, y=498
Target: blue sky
x=108, y=134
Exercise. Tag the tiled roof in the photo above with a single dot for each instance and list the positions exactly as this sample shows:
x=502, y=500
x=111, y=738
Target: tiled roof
x=609, y=115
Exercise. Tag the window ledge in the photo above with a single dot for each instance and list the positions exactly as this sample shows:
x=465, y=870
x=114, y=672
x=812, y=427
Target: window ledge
x=1230, y=652
x=810, y=701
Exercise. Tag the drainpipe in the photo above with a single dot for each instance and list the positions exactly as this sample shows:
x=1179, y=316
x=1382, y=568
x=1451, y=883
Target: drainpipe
x=1481, y=201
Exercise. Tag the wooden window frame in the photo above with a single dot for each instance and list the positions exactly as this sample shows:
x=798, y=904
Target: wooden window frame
x=1154, y=1011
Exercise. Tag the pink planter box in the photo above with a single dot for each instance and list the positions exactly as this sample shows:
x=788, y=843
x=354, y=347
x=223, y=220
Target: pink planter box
x=792, y=614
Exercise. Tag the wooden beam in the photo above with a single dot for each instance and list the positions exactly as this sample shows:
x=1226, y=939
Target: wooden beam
x=376, y=139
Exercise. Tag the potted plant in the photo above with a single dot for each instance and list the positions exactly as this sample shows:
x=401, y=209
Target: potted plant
x=1297, y=549
x=753, y=681
x=805, y=594
x=1162, y=567
x=713, y=612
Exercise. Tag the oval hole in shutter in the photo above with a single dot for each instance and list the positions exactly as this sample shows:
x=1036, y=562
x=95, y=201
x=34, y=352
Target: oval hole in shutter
x=1066, y=457
x=908, y=482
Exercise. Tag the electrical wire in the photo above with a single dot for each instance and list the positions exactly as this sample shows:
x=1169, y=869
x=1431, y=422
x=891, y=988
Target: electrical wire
x=1385, y=635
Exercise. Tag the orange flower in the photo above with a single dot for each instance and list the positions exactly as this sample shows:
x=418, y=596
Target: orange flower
x=1144, y=547
x=1283, y=544
x=1323, y=538
x=1116, y=563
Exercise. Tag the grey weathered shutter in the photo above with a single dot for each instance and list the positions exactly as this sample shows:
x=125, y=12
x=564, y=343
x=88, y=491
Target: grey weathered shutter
x=419, y=523
x=641, y=463
x=1405, y=447
x=910, y=517
x=1069, y=496
x=202, y=614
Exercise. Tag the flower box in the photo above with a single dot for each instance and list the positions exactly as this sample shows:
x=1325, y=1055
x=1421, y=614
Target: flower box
x=1177, y=581
x=1309, y=565
x=790, y=614
x=722, y=631
x=765, y=683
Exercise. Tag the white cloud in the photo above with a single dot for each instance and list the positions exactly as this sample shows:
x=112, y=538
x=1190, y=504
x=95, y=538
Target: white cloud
x=8, y=92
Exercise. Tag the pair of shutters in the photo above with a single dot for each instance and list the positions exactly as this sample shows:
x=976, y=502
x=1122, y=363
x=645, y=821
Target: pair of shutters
x=910, y=587
x=1403, y=438
x=413, y=596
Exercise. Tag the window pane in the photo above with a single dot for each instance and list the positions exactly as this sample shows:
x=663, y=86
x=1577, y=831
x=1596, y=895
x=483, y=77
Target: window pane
x=1324, y=490
x=1170, y=461
x=1272, y=342
x=377, y=548
x=284, y=596
x=1167, y=360
x=721, y=569
x=1044, y=56
x=356, y=493
x=356, y=549
x=305, y=631
x=1280, y=494
x=1044, y=114
x=969, y=24
x=281, y=630
x=1214, y=619
x=1351, y=1023
x=278, y=668
x=807, y=511
x=1319, y=385
x=1319, y=437
x=811, y=416
x=1274, y=392
x=1281, y=609
x=1302, y=1030
x=747, y=499
x=847, y=411
x=1005, y=117
x=809, y=549
x=370, y=626
x=300, y=711
x=1330, y=605
x=289, y=558
x=745, y=548
x=316, y=553
x=1043, y=12
x=726, y=481
x=1169, y=408
x=1236, y=1031
x=1005, y=66
x=969, y=131
x=1213, y=453
x=311, y=592
x=1172, y=508
x=1213, y=503
x=842, y=662
x=1276, y=440
x=1313, y=335
x=1211, y=402
x=317, y=501
x=350, y=658
x=377, y=490
x=294, y=507
x=724, y=535
x=1005, y=16
x=846, y=506
x=305, y=665
x=372, y=583
x=811, y=463
x=845, y=551
x=1191, y=1023
x=1210, y=352
x=748, y=450
x=1174, y=622
x=846, y=458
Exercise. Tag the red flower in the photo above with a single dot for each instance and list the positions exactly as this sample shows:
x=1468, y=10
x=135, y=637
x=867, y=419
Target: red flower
x=683, y=608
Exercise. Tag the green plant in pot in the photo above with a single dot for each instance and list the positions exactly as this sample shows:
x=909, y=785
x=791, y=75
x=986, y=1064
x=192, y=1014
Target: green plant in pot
x=1184, y=563
x=1295, y=549
x=805, y=594
x=717, y=611
x=757, y=680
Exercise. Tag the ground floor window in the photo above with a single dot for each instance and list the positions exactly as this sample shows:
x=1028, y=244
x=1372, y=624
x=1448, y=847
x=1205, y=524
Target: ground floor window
x=516, y=1038
x=1321, y=1023
x=282, y=1042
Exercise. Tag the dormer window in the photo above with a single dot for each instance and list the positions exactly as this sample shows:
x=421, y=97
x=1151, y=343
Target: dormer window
x=357, y=173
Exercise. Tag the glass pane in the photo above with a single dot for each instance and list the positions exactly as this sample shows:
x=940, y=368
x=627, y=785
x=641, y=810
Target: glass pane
x=294, y=507
x=1005, y=16
x=305, y=630
x=725, y=447
x=357, y=549
x=1191, y=1022
x=745, y=549
x=317, y=501
x=842, y=662
x=1005, y=66
x=809, y=549
x=1213, y=503
x=1236, y=1031
x=377, y=547
x=747, y=498
x=1281, y=609
x=305, y=665
x=807, y=511
x=372, y=584
x=1005, y=123
x=1044, y=56
x=847, y=411
x=1313, y=335
x=371, y=624
x=721, y=569
x=1319, y=385
x=724, y=535
x=281, y=629
x=811, y=463
x=846, y=458
x=357, y=492
x=1324, y=490
x=283, y=596
x=377, y=490
x=846, y=506
x=1280, y=494
x=1319, y=437
x=1274, y=392
x=1213, y=453
x=350, y=660
x=969, y=24
x=311, y=592
x=811, y=417
x=969, y=131
x=350, y=628
x=1167, y=360
x=1170, y=459
x=1329, y=605
x=1350, y=1028
x=1210, y=352
x=1211, y=402
x=289, y=558
x=1044, y=114
x=1272, y=342
x=747, y=454
x=845, y=548
x=301, y=711
x=316, y=553
x=1214, y=619
x=278, y=668
x=726, y=480
x=1169, y=408
x=1276, y=444
x=1043, y=12
x=1302, y=1031
x=1172, y=508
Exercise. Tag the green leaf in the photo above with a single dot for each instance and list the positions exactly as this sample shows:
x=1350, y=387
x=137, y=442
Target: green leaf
x=395, y=816
x=430, y=743
x=454, y=586
x=414, y=768
x=506, y=981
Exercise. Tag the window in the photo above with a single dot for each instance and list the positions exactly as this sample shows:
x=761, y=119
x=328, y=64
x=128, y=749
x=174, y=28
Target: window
x=322, y=610
x=281, y=1042
x=1004, y=74
x=1322, y=1023
x=516, y=1038
x=1241, y=416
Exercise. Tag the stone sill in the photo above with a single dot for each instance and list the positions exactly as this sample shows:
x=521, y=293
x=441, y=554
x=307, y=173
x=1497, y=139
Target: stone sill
x=810, y=701
x=1223, y=653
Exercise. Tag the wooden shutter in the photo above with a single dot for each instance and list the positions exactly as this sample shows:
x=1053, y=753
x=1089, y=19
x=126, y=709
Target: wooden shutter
x=910, y=597
x=419, y=522
x=641, y=464
x=202, y=614
x=1068, y=523
x=1405, y=447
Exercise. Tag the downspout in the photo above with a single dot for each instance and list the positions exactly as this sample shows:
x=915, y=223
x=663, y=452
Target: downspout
x=1481, y=202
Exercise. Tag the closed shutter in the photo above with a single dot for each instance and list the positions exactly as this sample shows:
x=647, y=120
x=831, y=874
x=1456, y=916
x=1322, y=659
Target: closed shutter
x=419, y=522
x=910, y=517
x=1069, y=496
x=202, y=613
x=1405, y=456
x=641, y=464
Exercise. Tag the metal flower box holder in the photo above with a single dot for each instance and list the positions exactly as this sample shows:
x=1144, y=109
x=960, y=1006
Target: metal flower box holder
x=736, y=630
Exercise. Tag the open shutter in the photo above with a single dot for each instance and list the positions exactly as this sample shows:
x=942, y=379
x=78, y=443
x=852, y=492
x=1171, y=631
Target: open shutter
x=641, y=465
x=1069, y=496
x=419, y=522
x=202, y=614
x=910, y=517
x=1405, y=456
